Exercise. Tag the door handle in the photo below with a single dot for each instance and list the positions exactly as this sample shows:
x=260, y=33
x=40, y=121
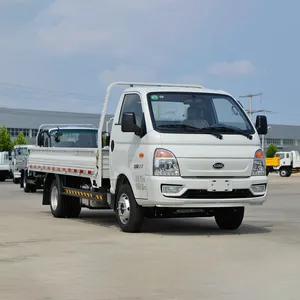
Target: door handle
x=112, y=145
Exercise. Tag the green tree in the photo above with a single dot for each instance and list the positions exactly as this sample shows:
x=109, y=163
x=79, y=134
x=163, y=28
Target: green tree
x=272, y=149
x=5, y=141
x=20, y=139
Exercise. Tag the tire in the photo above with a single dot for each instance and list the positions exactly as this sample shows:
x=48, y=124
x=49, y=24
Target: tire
x=130, y=215
x=289, y=173
x=2, y=179
x=284, y=172
x=32, y=188
x=63, y=206
x=16, y=180
x=21, y=181
x=57, y=205
x=26, y=187
x=229, y=218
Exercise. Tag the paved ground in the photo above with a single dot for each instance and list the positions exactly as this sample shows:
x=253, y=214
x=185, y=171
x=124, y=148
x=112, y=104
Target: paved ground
x=49, y=259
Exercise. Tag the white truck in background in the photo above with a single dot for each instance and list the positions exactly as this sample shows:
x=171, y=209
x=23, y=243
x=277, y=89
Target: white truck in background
x=289, y=162
x=174, y=151
x=18, y=161
x=56, y=135
x=4, y=166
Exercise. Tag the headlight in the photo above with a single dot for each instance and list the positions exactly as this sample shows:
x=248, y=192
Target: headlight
x=259, y=164
x=165, y=163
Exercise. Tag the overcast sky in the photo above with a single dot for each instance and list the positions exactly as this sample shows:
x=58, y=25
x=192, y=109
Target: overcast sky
x=61, y=54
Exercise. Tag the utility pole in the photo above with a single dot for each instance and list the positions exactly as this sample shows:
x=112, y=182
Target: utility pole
x=250, y=96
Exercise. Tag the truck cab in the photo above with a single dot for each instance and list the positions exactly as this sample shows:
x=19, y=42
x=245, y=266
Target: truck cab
x=18, y=161
x=289, y=161
x=68, y=136
x=58, y=136
x=187, y=148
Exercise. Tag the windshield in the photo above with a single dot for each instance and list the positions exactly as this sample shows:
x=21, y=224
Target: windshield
x=280, y=155
x=74, y=138
x=175, y=112
x=21, y=151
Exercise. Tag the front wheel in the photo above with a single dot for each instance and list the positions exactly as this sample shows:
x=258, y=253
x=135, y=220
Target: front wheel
x=284, y=172
x=229, y=218
x=26, y=186
x=130, y=215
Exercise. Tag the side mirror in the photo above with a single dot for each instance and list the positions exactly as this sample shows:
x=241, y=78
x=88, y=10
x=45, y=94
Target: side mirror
x=57, y=136
x=40, y=140
x=261, y=125
x=129, y=123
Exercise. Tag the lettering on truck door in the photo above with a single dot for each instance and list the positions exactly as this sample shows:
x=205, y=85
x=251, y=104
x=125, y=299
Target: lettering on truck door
x=128, y=155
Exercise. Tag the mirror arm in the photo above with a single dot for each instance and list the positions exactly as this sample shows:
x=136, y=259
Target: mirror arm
x=138, y=132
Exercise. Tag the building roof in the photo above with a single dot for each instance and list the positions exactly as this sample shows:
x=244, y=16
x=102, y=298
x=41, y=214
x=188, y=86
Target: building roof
x=284, y=131
x=27, y=118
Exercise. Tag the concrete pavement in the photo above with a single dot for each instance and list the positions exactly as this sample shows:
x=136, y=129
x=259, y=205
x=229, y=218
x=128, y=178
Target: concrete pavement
x=90, y=258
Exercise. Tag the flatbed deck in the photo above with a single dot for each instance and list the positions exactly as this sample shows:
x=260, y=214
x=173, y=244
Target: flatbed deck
x=68, y=161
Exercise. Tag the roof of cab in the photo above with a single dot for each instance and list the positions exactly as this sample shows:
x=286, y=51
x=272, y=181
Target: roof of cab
x=23, y=146
x=150, y=89
x=72, y=128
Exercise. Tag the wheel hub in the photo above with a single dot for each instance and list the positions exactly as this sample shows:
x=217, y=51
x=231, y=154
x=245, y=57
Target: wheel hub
x=54, y=198
x=124, y=208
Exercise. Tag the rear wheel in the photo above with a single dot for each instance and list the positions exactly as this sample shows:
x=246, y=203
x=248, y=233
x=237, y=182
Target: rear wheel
x=63, y=206
x=130, y=215
x=229, y=218
x=2, y=178
x=57, y=205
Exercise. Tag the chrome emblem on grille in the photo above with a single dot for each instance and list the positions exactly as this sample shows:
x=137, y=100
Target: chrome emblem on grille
x=218, y=166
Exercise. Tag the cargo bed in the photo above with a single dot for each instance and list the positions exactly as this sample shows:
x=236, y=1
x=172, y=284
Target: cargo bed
x=69, y=161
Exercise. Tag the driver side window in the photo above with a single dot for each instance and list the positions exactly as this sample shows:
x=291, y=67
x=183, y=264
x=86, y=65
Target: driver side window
x=132, y=103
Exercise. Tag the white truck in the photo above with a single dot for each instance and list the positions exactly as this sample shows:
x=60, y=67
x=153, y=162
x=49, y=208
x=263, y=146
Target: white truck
x=56, y=135
x=289, y=162
x=4, y=166
x=18, y=161
x=174, y=151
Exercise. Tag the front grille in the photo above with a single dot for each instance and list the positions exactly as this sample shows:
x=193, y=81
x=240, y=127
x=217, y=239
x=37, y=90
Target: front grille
x=204, y=194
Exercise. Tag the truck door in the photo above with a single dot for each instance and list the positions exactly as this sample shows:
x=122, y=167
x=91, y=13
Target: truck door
x=127, y=149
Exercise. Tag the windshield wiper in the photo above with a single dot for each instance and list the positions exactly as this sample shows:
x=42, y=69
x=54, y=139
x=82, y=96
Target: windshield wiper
x=192, y=129
x=230, y=129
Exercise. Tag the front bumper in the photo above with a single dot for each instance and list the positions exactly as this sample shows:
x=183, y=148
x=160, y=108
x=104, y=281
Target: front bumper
x=196, y=192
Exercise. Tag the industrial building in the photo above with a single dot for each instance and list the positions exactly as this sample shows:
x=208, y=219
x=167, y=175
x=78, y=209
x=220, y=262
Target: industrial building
x=286, y=137
x=28, y=121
